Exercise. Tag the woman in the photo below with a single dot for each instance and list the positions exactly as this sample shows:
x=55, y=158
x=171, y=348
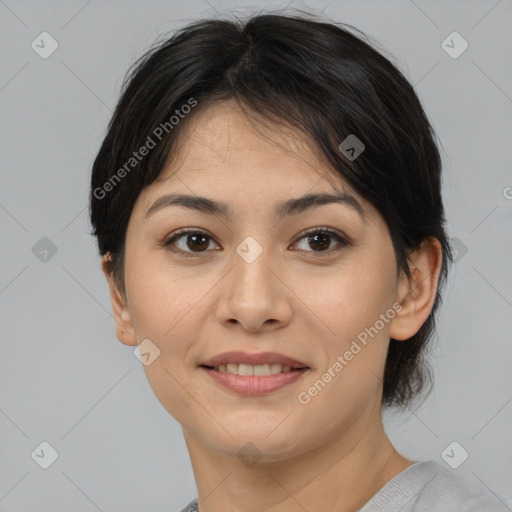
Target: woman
x=267, y=203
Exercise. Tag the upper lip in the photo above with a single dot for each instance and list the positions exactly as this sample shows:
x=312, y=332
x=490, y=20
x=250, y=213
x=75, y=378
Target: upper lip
x=253, y=359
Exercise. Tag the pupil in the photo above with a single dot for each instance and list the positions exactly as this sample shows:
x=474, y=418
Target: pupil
x=314, y=239
x=197, y=246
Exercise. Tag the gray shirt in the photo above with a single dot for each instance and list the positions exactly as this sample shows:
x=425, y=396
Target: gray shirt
x=424, y=486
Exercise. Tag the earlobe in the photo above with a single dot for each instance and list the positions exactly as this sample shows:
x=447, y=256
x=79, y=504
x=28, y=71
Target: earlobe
x=124, y=328
x=417, y=293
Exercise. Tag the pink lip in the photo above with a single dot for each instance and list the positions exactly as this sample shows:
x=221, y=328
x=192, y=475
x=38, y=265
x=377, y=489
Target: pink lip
x=257, y=358
x=252, y=384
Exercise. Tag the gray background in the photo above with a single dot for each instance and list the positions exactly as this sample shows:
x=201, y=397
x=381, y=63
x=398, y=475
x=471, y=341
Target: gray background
x=64, y=377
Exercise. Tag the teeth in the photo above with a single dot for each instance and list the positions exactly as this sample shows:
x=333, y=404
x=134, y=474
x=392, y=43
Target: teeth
x=249, y=369
x=231, y=368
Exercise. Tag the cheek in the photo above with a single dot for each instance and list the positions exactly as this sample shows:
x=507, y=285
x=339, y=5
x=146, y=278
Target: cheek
x=166, y=305
x=350, y=299
x=157, y=295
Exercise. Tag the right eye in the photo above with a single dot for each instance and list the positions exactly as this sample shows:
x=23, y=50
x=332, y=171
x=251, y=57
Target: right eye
x=188, y=240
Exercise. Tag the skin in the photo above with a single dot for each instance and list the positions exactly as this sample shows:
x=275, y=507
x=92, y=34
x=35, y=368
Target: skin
x=329, y=454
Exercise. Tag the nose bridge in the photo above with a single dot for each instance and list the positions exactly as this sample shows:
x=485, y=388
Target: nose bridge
x=253, y=276
x=253, y=294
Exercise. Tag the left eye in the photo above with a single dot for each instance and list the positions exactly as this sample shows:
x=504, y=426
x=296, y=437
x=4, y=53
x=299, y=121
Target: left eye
x=199, y=241
x=322, y=238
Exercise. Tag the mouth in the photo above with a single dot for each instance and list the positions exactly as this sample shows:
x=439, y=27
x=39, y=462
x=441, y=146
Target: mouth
x=259, y=370
x=253, y=373
x=246, y=363
x=244, y=379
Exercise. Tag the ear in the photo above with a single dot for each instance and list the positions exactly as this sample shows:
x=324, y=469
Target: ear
x=417, y=294
x=124, y=327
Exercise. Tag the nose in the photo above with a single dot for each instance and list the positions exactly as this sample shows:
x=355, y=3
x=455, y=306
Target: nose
x=255, y=296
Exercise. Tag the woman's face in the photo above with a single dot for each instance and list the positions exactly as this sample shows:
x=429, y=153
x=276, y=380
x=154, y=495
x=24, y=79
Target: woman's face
x=254, y=282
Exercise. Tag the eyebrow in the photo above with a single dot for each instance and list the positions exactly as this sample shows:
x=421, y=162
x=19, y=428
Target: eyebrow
x=289, y=207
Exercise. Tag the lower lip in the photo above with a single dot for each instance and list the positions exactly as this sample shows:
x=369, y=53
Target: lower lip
x=254, y=384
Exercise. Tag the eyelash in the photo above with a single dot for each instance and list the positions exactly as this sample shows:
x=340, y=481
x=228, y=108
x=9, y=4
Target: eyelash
x=343, y=242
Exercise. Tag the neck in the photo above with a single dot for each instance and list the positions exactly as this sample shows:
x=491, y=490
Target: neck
x=341, y=474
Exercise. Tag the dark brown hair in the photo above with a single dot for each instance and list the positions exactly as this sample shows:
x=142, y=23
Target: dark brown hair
x=298, y=71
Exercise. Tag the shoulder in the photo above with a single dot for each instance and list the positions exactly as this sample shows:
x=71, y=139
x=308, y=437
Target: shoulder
x=191, y=507
x=428, y=486
x=446, y=491
x=425, y=487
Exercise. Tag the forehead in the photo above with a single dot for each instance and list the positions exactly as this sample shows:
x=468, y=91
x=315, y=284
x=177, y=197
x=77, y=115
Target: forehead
x=232, y=158
x=220, y=138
